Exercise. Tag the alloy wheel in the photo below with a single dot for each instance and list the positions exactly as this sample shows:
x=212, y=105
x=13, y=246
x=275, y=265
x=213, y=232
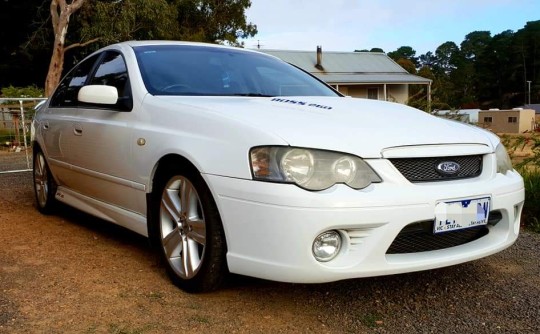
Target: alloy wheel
x=183, y=227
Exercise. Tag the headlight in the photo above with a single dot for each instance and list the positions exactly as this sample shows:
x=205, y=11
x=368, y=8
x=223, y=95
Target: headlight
x=504, y=164
x=310, y=169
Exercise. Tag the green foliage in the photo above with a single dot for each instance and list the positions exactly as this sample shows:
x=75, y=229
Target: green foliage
x=475, y=43
x=213, y=21
x=426, y=72
x=221, y=21
x=427, y=60
x=404, y=52
x=26, y=48
x=533, y=160
x=372, y=50
x=495, y=70
x=446, y=58
x=418, y=100
x=407, y=64
x=531, y=209
x=418, y=93
x=529, y=168
x=30, y=91
x=114, y=22
x=486, y=71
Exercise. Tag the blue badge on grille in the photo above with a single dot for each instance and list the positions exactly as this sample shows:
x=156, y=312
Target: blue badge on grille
x=448, y=168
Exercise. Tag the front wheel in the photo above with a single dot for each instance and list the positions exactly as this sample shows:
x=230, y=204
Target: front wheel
x=44, y=185
x=188, y=230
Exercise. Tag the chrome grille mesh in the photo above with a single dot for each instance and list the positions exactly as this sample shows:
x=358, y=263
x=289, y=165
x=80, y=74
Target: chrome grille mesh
x=425, y=169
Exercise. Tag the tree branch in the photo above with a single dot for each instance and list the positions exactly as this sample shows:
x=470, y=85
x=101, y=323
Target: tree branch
x=54, y=15
x=76, y=45
x=76, y=4
x=41, y=29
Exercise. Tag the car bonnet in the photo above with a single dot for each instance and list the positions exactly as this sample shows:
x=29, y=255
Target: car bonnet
x=358, y=126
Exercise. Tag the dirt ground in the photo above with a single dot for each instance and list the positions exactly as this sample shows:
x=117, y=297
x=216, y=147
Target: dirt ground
x=71, y=273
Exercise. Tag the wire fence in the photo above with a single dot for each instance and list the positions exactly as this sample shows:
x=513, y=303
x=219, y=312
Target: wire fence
x=16, y=116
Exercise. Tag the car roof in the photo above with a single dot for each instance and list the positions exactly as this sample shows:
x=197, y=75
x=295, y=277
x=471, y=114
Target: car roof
x=134, y=44
x=171, y=42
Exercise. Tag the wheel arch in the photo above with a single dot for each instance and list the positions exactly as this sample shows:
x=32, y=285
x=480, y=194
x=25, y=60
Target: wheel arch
x=215, y=266
x=36, y=147
x=175, y=162
x=168, y=162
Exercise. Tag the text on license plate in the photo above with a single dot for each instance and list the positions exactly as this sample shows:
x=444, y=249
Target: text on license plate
x=456, y=215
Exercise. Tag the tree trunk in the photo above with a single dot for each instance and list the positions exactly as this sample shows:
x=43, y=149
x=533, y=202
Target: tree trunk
x=60, y=14
x=57, y=63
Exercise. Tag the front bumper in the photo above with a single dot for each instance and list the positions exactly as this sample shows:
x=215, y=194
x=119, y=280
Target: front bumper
x=270, y=227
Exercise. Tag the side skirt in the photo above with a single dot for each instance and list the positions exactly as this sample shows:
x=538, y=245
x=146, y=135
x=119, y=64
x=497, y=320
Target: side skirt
x=113, y=214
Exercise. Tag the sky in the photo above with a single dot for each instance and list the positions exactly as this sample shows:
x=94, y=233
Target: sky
x=348, y=25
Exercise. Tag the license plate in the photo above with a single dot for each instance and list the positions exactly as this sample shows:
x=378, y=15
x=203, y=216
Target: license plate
x=457, y=215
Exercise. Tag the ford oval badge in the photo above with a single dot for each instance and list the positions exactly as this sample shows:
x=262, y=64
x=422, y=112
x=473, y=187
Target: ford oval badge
x=448, y=168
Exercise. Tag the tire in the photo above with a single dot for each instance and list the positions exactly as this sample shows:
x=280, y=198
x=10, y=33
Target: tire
x=187, y=231
x=44, y=185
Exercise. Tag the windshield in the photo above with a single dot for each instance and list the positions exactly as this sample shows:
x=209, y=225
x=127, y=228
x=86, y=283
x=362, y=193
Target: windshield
x=210, y=71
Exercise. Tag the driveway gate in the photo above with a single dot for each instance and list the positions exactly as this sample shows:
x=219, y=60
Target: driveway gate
x=16, y=116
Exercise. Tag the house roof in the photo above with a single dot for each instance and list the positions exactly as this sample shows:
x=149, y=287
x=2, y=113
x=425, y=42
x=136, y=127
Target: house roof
x=534, y=106
x=350, y=67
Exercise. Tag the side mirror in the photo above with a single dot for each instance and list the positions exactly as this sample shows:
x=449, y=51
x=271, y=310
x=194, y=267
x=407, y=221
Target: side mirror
x=98, y=94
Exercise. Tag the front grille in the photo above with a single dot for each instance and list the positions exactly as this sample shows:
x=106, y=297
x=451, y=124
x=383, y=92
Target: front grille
x=419, y=237
x=425, y=169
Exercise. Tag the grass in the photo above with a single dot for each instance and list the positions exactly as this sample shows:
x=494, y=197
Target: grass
x=200, y=319
x=9, y=136
x=531, y=209
x=525, y=153
x=122, y=329
x=155, y=295
x=6, y=134
x=371, y=320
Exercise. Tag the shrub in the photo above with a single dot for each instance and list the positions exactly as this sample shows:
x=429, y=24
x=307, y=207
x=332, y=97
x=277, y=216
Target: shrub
x=531, y=210
x=30, y=91
x=529, y=168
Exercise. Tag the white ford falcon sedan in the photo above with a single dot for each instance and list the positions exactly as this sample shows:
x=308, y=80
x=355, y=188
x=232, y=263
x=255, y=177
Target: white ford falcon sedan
x=234, y=161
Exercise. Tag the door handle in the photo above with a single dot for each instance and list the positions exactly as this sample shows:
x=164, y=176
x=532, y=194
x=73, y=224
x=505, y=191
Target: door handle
x=77, y=130
x=45, y=125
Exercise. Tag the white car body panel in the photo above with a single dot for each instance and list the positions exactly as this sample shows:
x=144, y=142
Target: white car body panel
x=348, y=127
x=270, y=234
x=104, y=162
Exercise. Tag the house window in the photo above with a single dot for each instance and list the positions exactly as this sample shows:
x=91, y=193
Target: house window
x=373, y=93
x=488, y=119
x=512, y=119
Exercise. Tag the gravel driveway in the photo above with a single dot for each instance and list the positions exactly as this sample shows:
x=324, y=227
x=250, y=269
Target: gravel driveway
x=71, y=273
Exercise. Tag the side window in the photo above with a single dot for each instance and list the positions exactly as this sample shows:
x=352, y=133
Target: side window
x=66, y=93
x=112, y=71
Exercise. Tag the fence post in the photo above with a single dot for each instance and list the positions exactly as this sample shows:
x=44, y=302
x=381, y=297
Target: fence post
x=24, y=135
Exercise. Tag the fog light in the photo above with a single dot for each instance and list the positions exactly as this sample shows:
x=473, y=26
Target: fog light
x=326, y=246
